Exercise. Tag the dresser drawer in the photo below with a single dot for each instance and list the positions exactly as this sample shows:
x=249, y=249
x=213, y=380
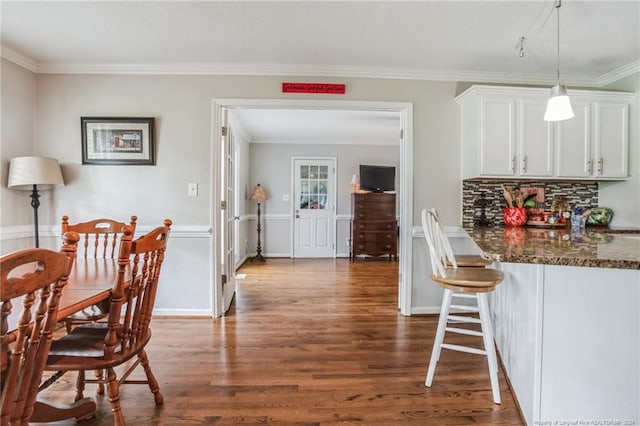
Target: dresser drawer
x=374, y=197
x=368, y=225
x=383, y=237
x=374, y=214
x=374, y=247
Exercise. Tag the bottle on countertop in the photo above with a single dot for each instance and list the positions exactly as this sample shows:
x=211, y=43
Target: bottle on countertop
x=561, y=208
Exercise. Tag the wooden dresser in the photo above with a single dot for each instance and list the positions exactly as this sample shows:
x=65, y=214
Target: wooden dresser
x=374, y=230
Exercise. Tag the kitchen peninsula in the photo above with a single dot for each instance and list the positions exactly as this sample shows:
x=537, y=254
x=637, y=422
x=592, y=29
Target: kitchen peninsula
x=567, y=321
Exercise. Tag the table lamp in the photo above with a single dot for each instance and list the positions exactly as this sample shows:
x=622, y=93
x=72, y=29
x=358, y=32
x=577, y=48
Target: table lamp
x=259, y=196
x=355, y=181
x=33, y=174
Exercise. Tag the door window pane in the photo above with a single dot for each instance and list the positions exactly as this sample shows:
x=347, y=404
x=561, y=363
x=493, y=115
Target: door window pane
x=313, y=183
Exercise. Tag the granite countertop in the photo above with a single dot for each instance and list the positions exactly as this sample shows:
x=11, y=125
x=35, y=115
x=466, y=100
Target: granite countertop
x=600, y=248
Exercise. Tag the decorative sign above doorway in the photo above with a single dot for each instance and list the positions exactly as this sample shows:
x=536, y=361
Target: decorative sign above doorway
x=327, y=88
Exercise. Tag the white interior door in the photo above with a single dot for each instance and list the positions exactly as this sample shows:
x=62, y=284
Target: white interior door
x=314, y=207
x=228, y=215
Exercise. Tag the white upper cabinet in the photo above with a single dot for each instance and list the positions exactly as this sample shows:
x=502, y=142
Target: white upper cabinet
x=611, y=139
x=574, y=157
x=535, y=138
x=497, y=136
x=504, y=135
x=595, y=143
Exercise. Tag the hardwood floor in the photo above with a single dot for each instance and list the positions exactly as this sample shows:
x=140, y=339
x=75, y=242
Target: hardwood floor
x=308, y=342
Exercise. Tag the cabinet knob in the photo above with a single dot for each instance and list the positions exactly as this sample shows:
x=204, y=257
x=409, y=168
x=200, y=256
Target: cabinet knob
x=590, y=166
x=600, y=165
x=361, y=236
x=513, y=164
x=388, y=246
x=524, y=164
x=360, y=246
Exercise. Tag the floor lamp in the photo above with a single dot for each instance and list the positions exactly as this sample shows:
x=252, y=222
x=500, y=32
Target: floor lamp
x=259, y=196
x=34, y=174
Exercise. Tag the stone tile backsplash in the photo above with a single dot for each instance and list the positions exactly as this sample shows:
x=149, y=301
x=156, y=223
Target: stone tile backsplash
x=583, y=194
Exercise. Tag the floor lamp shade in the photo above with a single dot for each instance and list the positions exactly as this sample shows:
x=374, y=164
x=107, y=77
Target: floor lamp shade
x=258, y=194
x=33, y=174
x=24, y=172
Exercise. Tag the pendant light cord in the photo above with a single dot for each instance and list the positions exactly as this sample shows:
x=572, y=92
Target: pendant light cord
x=558, y=4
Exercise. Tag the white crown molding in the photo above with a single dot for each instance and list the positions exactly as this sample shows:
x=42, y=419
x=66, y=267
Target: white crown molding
x=330, y=71
x=310, y=70
x=620, y=73
x=18, y=58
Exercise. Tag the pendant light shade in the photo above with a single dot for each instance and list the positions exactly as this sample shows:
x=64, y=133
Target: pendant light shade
x=559, y=106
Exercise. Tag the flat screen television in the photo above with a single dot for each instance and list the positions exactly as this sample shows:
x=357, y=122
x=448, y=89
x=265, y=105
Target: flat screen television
x=377, y=178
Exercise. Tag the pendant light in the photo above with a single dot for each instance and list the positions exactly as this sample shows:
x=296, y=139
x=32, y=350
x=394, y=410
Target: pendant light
x=559, y=105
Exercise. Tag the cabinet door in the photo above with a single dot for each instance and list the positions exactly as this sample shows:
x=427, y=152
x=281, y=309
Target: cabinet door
x=535, y=139
x=610, y=139
x=573, y=144
x=497, y=137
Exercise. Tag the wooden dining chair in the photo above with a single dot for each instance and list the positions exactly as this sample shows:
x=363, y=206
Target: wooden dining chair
x=37, y=276
x=470, y=283
x=99, y=239
x=106, y=345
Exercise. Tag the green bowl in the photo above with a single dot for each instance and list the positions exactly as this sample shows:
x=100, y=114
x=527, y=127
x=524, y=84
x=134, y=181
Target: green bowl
x=600, y=216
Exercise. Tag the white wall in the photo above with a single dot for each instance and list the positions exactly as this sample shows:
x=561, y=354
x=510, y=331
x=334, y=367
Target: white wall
x=624, y=197
x=270, y=165
x=17, y=124
x=182, y=106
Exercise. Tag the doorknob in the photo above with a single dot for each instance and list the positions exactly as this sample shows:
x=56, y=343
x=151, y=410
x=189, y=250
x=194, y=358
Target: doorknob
x=297, y=216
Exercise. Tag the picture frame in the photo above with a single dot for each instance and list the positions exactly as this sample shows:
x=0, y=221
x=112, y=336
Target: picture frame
x=118, y=140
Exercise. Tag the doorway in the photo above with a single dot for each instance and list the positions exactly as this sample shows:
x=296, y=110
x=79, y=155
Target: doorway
x=405, y=110
x=314, y=182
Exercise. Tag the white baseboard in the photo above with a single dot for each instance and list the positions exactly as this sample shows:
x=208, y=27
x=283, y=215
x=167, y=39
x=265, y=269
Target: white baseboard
x=423, y=310
x=183, y=313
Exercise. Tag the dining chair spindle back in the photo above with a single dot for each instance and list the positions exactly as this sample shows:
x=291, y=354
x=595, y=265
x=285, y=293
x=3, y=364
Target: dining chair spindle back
x=99, y=236
x=99, y=239
x=35, y=278
x=106, y=345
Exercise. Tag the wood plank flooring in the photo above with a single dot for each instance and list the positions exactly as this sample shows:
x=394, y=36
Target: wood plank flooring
x=307, y=342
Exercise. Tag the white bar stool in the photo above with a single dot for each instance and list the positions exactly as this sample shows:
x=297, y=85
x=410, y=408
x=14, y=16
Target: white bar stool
x=460, y=282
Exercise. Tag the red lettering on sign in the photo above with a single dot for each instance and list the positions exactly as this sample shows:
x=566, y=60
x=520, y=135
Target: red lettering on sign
x=328, y=88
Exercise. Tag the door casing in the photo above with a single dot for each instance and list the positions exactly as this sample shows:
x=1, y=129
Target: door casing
x=294, y=202
x=405, y=109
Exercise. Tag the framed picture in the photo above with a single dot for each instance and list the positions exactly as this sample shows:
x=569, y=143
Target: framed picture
x=118, y=140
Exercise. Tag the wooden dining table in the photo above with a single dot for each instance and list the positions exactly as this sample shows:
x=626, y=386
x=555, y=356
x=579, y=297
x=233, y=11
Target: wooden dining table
x=90, y=282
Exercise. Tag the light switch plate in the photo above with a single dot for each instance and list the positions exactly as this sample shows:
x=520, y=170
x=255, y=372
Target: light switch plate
x=192, y=190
